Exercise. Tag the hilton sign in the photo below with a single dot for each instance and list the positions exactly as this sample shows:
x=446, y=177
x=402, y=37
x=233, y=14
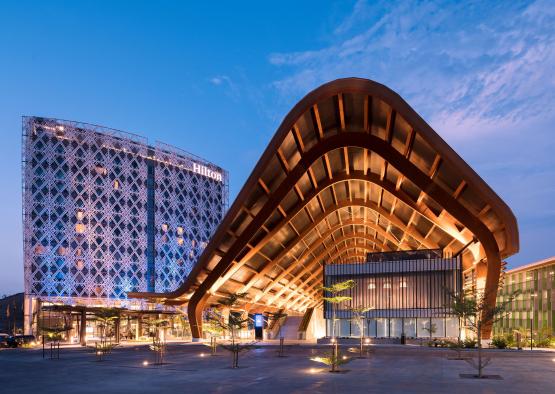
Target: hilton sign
x=205, y=171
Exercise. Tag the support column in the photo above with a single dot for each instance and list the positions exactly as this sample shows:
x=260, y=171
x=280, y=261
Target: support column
x=28, y=315
x=83, y=328
x=117, y=329
x=138, y=327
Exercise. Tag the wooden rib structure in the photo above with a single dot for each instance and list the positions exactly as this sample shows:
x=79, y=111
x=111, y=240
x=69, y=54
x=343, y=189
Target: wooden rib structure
x=352, y=169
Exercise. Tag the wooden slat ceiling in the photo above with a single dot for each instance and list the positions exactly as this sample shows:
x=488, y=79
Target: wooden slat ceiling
x=351, y=170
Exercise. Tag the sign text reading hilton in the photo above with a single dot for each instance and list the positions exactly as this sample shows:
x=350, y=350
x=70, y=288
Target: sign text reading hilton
x=205, y=171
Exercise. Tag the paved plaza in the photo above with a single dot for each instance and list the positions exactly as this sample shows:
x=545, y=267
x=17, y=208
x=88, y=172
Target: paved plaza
x=190, y=369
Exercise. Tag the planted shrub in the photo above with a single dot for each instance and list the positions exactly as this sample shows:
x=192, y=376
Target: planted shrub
x=470, y=343
x=499, y=342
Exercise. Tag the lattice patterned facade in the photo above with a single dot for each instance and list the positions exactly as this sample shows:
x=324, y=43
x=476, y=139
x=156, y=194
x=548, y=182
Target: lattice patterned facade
x=106, y=214
x=188, y=210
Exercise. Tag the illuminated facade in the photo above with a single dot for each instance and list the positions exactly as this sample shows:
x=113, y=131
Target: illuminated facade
x=534, y=285
x=105, y=213
x=352, y=169
x=408, y=293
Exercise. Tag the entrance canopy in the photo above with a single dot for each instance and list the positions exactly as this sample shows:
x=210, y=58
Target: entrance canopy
x=352, y=169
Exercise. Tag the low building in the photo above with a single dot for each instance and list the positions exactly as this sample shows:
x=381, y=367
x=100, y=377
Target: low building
x=534, y=305
x=407, y=293
x=11, y=314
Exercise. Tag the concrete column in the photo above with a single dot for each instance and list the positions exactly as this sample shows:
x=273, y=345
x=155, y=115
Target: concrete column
x=138, y=328
x=83, y=329
x=28, y=315
x=117, y=329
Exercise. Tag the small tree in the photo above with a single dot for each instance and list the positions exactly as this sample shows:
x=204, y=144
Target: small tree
x=214, y=329
x=233, y=324
x=431, y=328
x=336, y=299
x=53, y=334
x=476, y=313
x=157, y=328
x=459, y=307
x=106, y=318
x=335, y=358
x=278, y=318
x=359, y=319
x=183, y=323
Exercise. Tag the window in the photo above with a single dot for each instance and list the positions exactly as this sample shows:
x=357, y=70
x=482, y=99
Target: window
x=164, y=227
x=79, y=228
x=100, y=170
x=179, y=230
x=80, y=215
x=116, y=184
x=371, y=286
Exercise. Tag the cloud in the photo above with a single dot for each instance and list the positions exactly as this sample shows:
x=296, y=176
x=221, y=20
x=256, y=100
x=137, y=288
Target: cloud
x=216, y=80
x=467, y=68
x=481, y=73
x=232, y=88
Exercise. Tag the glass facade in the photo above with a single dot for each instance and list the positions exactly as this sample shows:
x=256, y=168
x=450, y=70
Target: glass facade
x=406, y=296
x=533, y=307
x=106, y=214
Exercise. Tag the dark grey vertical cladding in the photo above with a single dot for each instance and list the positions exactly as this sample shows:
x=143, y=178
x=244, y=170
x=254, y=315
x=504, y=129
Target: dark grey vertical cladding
x=324, y=276
x=398, y=288
x=150, y=225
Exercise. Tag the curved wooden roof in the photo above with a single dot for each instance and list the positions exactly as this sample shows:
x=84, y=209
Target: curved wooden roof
x=352, y=169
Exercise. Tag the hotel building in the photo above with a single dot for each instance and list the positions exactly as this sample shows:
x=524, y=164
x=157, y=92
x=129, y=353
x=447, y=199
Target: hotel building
x=105, y=213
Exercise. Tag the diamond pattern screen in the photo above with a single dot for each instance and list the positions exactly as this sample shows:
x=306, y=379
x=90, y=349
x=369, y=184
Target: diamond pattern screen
x=188, y=210
x=106, y=214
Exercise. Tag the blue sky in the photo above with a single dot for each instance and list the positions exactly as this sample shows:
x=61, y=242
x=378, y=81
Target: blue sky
x=216, y=79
